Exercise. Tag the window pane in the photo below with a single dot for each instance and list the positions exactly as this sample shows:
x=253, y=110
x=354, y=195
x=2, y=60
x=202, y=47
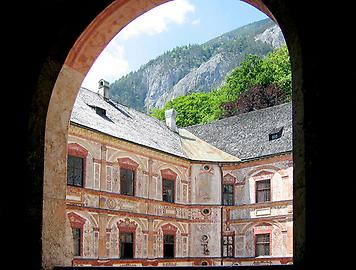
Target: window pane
x=169, y=239
x=230, y=251
x=168, y=190
x=75, y=170
x=230, y=240
x=76, y=241
x=228, y=246
x=127, y=182
x=228, y=194
x=265, y=184
x=228, y=189
x=262, y=245
x=263, y=191
x=168, y=251
x=228, y=199
x=126, y=245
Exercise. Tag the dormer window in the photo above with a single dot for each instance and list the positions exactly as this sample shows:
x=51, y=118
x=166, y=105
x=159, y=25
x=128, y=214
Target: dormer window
x=275, y=133
x=100, y=111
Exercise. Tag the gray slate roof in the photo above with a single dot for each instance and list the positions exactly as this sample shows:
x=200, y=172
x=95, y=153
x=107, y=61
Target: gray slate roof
x=244, y=136
x=124, y=123
x=247, y=135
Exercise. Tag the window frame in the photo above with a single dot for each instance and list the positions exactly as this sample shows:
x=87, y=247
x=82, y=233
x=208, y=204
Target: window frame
x=174, y=189
x=77, y=222
x=257, y=182
x=82, y=170
x=269, y=244
x=168, y=174
x=227, y=245
x=121, y=246
x=133, y=181
x=78, y=151
x=174, y=245
x=80, y=239
x=232, y=193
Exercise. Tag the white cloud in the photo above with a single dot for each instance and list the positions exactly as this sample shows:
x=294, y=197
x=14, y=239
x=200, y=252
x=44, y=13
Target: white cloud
x=110, y=65
x=157, y=20
x=195, y=22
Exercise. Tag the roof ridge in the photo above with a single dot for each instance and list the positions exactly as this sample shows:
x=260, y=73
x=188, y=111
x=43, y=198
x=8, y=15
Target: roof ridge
x=242, y=114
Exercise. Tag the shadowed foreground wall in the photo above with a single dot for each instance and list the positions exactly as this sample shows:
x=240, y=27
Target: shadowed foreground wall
x=37, y=38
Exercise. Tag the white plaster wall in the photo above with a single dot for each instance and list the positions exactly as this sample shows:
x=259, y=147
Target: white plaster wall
x=213, y=231
x=206, y=184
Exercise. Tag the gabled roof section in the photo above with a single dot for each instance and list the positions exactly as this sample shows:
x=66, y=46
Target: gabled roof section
x=199, y=150
x=124, y=123
x=128, y=124
x=247, y=136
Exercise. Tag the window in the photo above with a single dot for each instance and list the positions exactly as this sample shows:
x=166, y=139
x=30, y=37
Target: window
x=275, y=134
x=168, y=246
x=228, y=194
x=168, y=190
x=263, y=191
x=228, y=246
x=127, y=182
x=126, y=245
x=75, y=171
x=77, y=235
x=100, y=111
x=262, y=245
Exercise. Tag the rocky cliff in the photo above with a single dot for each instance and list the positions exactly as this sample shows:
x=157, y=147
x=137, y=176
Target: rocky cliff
x=194, y=68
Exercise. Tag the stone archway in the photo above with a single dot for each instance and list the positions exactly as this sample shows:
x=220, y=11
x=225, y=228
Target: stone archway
x=78, y=62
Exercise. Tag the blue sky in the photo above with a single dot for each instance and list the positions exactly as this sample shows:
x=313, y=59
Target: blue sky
x=165, y=27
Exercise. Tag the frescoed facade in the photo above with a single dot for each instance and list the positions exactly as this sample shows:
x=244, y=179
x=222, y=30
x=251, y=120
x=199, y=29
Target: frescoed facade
x=145, y=193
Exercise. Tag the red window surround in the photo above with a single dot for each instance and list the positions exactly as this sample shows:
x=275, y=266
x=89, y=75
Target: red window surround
x=77, y=150
x=263, y=229
x=261, y=176
x=169, y=229
x=169, y=175
x=128, y=163
x=127, y=226
x=77, y=222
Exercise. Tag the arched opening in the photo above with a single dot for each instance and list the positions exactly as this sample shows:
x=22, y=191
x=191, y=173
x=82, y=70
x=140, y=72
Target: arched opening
x=88, y=46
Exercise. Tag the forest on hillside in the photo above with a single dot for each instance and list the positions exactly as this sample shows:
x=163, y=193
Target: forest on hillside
x=258, y=82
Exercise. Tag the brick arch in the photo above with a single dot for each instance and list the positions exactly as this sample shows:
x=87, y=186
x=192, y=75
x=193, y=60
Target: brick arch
x=168, y=174
x=252, y=225
x=127, y=225
x=77, y=150
x=266, y=169
x=115, y=220
x=91, y=150
x=169, y=169
x=76, y=221
x=175, y=224
x=126, y=156
x=169, y=229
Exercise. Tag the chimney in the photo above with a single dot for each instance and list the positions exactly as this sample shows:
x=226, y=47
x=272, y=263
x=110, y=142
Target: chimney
x=171, y=119
x=104, y=88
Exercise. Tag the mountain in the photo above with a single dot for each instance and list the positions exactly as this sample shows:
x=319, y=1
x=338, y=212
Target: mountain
x=194, y=68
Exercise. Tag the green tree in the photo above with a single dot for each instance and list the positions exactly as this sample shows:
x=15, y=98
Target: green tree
x=271, y=74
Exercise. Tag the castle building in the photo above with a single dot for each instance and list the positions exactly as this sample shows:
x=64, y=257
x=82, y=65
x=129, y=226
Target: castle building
x=141, y=192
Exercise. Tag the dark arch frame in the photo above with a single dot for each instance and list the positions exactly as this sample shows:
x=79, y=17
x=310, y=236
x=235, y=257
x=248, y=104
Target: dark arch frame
x=51, y=35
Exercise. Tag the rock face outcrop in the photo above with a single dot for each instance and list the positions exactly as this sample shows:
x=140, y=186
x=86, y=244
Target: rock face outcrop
x=194, y=68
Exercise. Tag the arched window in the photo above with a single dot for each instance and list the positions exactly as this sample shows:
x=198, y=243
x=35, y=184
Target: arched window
x=128, y=169
x=77, y=225
x=168, y=185
x=127, y=236
x=76, y=165
x=169, y=237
